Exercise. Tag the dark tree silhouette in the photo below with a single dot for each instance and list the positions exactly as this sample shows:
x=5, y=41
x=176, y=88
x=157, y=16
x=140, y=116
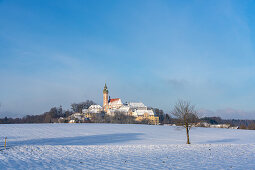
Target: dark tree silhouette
x=77, y=107
x=186, y=115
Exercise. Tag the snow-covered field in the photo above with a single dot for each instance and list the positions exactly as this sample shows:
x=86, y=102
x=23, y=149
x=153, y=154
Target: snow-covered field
x=113, y=146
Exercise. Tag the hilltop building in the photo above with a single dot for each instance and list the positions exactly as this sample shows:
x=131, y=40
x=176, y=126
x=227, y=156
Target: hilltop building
x=138, y=110
x=93, y=109
x=113, y=106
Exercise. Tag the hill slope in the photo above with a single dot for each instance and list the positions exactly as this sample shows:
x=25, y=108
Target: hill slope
x=113, y=146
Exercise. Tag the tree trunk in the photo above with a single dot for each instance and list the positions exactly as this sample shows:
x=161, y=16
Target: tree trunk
x=187, y=132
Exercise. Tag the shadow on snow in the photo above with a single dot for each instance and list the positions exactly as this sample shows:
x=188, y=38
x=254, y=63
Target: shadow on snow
x=81, y=140
x=222, y=141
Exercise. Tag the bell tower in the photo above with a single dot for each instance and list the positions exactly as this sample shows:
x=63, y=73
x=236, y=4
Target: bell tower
x=105, y=98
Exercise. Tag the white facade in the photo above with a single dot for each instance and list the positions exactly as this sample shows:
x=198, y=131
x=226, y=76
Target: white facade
x=115, y=103
x=77, y=116
x=137, y=113
x=93, y=109
x=123, y=109
x=220, y=126
x=72, y=121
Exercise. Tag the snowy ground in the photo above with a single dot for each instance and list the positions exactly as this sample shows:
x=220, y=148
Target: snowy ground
x=112, y=146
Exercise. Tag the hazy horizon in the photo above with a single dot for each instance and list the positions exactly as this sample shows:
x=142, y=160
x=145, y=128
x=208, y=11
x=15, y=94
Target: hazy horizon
x=56, y=53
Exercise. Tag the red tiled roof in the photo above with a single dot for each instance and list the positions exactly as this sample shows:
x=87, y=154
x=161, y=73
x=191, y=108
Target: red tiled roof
x=114, y=100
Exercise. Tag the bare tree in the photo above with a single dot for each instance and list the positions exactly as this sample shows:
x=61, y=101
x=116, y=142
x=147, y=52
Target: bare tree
x=186, y=115
x=77, y=107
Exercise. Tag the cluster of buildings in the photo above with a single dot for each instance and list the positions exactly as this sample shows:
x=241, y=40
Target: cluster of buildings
x=112, y=106
x=208, y=125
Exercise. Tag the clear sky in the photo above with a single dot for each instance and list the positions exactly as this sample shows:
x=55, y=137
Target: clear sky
x=156, y=51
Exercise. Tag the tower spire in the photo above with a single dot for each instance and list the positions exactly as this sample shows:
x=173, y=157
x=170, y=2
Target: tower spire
x=105, y=89
x=105, y=98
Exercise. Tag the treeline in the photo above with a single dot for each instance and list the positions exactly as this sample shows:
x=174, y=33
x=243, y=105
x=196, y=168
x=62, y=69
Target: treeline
x=51, y=116
x=55, y=113
x=242, y=124
x=163, y=118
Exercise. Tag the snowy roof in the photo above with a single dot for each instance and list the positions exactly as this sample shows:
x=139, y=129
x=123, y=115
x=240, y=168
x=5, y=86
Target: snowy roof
x=95, y=107
x=116, y=101
x=136, y=105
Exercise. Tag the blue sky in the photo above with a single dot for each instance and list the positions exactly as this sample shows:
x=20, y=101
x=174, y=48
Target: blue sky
x=57, y=52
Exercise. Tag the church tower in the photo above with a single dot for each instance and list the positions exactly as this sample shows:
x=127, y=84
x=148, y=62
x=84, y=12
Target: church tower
x=105, y=102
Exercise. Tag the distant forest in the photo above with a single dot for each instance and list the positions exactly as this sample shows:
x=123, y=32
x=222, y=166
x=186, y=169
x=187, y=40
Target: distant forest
x=55, y=113
x=242, y=124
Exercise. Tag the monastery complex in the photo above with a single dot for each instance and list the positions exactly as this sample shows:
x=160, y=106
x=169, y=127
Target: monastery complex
x=113, y=106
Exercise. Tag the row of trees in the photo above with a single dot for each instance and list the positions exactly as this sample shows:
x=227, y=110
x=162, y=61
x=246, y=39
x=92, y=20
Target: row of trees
x=184, y=115
x=243, y=124
x=249, y=127
x=51, y=116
